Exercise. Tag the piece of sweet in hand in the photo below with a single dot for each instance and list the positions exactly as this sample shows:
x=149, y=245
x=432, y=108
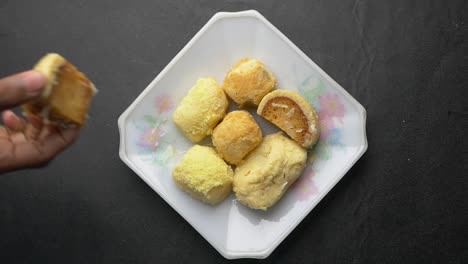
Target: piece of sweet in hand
x=67, y=97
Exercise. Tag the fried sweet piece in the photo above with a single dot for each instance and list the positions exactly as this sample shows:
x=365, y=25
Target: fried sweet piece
x=204, y=175
x=236, y=136
x=68, y=93
x=268, y=171
x=201, y=110
x=248, y=81
x=293, y=114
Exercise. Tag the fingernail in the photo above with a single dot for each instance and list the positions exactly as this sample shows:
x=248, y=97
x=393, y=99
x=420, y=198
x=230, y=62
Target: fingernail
x=34, y=82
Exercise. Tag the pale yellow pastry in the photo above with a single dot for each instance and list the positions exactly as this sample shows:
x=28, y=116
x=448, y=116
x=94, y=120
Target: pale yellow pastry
x=201, y=110
x=236, y=136
x=293, y=114
x=248, y=81
x=268, y=171
x=204, y=175
x=68, y=93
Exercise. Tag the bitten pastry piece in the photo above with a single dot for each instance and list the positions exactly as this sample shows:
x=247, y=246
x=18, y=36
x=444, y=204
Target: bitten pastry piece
x=204, y=175
x=68, y=93
x=201, y=110
x=268, y=171
x=293, y=114
x=236, y=136
x=248, y=82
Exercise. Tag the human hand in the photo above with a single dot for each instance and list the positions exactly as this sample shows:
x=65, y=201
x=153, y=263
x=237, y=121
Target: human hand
x=27, y=143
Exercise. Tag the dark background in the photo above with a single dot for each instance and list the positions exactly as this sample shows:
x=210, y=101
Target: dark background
x=405, y=201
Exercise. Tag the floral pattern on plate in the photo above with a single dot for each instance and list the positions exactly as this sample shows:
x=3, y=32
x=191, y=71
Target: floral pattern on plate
x=152, y=141
x=331, y=113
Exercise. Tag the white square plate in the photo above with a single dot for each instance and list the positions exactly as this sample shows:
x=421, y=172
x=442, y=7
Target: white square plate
x=151, y=145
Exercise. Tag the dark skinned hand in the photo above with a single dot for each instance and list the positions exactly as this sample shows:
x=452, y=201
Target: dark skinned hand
x=27, y=143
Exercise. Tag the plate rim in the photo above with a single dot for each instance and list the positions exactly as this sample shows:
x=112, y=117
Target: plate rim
x=264, y=253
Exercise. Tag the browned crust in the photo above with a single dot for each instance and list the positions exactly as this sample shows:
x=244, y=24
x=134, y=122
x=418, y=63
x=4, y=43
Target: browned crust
x=290, y=112
x=250, y=86
x=236, y=136
x=67, y=96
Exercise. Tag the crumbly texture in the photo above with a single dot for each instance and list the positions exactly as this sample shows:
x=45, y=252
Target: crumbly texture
x=201, y=110
x=204, y=175
x=67, y=96
x=293, y=114
x=236, y=136
x=268, y=171
x=248, y=82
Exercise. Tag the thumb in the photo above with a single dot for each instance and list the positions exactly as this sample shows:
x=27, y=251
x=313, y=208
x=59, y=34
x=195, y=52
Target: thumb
x=20, y=88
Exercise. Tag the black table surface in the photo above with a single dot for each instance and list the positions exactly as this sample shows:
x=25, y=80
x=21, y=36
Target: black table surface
x=405, y=201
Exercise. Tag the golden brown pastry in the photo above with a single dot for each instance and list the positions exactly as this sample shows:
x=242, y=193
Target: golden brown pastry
x=268, y=171
x=293, y=114
x=204, y=175
x=201, y=110
x=248, y=81
x=67, y=96
x=236, y=136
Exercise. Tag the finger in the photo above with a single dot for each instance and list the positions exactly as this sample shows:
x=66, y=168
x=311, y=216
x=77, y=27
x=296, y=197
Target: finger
x=13, y=122
x=6, y=153
x=19, y=155
x=33, y=129
x=17, y=137
x=35, y=121
x=27, y=154
x=20, y=88
x=54, y=140
x=4, y=134
x=31, y=132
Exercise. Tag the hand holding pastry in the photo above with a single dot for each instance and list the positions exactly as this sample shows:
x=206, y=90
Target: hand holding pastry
x=28, y=143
